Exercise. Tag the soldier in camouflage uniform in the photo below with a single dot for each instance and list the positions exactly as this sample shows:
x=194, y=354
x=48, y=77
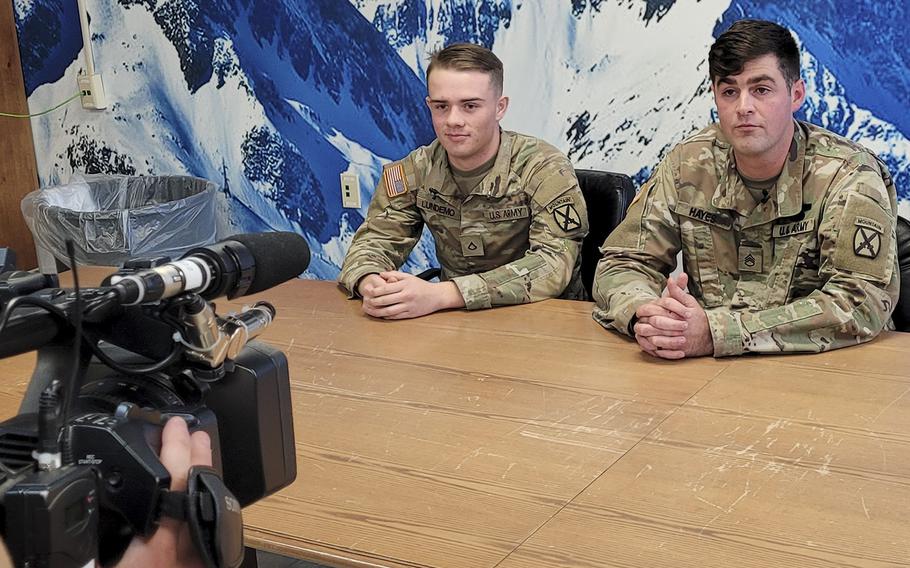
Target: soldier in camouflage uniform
x=787, y=231
x=504, y=209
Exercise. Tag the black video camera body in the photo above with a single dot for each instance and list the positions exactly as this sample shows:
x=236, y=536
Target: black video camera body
x=145, y=347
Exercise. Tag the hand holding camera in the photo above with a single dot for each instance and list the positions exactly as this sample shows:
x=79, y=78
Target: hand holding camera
x=171, y=544
x=80, y=472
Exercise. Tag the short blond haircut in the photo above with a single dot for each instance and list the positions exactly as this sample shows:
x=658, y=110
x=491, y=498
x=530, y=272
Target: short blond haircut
x=468, y=57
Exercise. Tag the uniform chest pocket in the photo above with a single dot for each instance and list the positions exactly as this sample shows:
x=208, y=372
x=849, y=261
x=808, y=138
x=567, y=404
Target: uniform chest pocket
x=700, y=253
x=796, y=259
x=504, y=223
x=701, y=261
x=440, y=212
x=507, y=213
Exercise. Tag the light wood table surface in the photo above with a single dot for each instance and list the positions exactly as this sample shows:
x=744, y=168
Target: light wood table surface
x=530, y=436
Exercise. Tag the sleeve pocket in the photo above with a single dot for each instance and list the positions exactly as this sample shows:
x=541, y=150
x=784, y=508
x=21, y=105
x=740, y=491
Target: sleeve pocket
x=865, y=239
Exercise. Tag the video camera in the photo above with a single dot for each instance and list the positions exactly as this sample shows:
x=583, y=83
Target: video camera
x=79, y=467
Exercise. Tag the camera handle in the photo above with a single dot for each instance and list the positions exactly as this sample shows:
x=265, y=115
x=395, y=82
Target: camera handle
x=213, y=515
x=55, y=361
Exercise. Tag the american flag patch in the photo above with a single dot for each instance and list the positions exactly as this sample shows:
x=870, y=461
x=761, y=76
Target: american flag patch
x=395, y=184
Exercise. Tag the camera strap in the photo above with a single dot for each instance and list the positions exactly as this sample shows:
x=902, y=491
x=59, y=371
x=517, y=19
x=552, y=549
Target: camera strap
x=213, y=515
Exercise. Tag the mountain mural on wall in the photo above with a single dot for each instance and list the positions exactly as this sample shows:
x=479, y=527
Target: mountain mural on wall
x=274, y=99
x=270, y=100
x=622, y=81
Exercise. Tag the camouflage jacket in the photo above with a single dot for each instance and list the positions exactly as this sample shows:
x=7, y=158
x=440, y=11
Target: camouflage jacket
x=514, y=239
x=812, y=268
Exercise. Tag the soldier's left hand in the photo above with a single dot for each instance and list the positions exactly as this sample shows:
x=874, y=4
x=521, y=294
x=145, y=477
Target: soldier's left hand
x=699, y=340
x=407, y=296
x=675, y=326
x=660, y=331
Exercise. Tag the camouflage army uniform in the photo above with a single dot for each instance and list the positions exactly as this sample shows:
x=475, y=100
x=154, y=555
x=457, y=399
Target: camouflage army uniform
x=514, y=239
x=812, y=268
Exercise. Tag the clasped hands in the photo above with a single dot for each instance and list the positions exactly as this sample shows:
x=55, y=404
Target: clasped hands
x=399, y=295
x=674, y=326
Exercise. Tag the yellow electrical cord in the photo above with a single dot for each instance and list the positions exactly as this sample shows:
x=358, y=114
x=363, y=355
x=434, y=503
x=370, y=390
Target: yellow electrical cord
x=14, y=115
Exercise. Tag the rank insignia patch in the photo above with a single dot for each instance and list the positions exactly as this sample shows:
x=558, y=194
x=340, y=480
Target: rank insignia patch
x=866, y=242
x=395, y=183
x=471, y=245
x=750, y=257
x=566, y=216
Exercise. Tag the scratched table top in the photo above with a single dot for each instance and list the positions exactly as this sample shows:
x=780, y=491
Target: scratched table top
x=530, y=436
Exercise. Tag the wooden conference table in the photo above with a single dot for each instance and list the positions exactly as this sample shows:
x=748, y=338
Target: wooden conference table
x=529, y=436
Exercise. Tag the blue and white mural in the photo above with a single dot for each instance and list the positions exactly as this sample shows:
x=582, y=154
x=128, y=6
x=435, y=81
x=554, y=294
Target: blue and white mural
x=273, y=99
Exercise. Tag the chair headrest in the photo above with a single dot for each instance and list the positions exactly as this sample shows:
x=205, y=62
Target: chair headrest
x=901, y=314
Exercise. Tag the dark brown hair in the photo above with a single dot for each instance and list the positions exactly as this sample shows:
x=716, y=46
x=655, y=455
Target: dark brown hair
x=746, y=40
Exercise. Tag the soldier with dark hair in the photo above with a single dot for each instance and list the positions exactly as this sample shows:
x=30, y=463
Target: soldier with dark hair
x=787, y=230
x=504, y=209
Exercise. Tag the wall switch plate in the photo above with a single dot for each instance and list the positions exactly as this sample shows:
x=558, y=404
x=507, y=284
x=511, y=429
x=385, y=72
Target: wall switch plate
x=350, y=191
x=91, y=91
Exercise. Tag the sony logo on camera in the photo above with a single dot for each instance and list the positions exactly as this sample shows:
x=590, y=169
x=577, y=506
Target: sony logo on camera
x=231, y=504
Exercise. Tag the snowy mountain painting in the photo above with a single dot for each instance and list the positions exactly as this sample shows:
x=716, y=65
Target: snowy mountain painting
x=273, y=99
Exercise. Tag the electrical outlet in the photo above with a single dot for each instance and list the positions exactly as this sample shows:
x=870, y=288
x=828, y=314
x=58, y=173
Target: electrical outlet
x=91, y=90
x=350, y=191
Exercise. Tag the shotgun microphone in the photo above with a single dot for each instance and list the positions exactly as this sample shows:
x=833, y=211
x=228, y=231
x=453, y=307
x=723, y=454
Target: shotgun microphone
x=237, y=266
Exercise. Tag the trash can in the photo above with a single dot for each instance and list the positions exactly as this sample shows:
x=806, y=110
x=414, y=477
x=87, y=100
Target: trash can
x=111, y=219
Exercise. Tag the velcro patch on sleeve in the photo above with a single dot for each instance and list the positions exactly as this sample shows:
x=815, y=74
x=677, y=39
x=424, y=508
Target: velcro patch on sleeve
x=565, y=213
x=864, y=240
x=395, y=182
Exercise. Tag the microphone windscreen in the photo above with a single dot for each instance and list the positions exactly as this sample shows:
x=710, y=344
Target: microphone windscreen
x=279, y=256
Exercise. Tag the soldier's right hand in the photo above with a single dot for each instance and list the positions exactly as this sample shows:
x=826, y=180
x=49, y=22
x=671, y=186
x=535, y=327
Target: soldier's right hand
x=674, y=326
x=660, y=328
x=368, y=285
x=654, y=335
x=404, y=296
x=171, y=544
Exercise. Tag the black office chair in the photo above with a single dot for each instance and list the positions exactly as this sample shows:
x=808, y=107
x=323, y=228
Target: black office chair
x=901, y=314
x=607, y=196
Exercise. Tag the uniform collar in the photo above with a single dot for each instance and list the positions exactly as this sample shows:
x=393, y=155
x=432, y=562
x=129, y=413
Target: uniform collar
x=787, y=199
x=790, y=182
x=439, y=180
x=496, y=182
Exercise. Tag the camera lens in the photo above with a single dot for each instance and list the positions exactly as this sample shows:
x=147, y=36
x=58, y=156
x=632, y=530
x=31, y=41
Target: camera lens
x=103, y=395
